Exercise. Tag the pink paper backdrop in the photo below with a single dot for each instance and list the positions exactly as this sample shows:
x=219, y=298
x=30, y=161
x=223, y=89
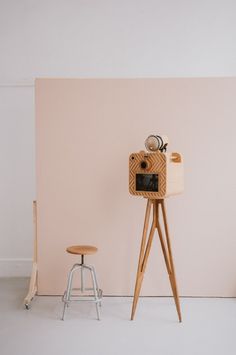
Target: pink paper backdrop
x=86, y=129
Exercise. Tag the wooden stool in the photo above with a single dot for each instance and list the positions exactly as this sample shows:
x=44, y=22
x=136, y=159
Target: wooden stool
x=82, y=250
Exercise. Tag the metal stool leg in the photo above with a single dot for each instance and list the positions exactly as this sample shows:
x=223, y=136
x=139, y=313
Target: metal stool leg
x=96, y=282
x=68, y=290
x=82, y=274
x=95, y=291
x=82, y=278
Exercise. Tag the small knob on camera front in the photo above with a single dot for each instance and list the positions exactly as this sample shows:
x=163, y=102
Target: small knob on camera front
x=143, y=164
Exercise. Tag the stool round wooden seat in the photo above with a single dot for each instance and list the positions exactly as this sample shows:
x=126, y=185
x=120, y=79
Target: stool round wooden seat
x=82, y=249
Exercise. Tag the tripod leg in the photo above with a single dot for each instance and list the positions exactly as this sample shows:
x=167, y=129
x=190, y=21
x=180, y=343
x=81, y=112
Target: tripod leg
x=149, y=243
x=169, y=259
x=163, y=247
x=139, y=276
x=166, y=257
x=142, y=271
x=162, y=241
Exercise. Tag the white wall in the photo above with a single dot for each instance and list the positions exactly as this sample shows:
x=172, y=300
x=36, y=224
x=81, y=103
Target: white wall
x=90, y=38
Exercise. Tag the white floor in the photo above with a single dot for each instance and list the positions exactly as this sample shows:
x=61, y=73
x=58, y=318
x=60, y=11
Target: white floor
x=209, y=326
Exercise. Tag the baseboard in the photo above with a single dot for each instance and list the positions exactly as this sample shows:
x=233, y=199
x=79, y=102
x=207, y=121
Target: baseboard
x=15, y=267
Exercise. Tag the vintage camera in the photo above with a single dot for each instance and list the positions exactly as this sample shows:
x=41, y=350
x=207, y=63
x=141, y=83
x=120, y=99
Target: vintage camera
x=156, y=174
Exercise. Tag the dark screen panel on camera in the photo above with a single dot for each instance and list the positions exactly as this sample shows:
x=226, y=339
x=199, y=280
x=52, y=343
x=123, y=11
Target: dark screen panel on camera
x=147, y=182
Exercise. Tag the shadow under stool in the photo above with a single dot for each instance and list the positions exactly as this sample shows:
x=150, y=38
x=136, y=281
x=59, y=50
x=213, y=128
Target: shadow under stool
x=83, y=296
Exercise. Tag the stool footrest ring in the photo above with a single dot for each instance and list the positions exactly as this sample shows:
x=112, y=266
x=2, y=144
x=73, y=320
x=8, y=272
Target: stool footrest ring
x=83, y=298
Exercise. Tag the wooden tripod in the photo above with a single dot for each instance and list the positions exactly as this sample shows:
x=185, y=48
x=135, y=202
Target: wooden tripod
x=145, y=250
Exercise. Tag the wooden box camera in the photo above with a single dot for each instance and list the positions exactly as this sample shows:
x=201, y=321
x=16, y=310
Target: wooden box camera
x=155, y=175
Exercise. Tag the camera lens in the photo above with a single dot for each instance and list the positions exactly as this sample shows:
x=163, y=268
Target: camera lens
x=143, y=164
x=154, y=143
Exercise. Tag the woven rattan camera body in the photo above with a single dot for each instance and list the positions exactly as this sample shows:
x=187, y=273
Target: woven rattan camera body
x=168, y=167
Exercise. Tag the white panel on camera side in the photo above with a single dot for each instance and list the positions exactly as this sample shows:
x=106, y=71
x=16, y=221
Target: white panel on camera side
x=174, y=175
